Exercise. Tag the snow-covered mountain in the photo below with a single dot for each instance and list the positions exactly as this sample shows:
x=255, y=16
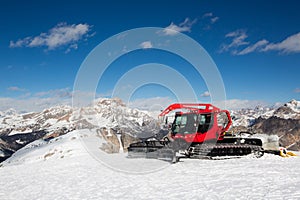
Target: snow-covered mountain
x=104, y=112
x=283, y=121
x=118, y=125
x=109, y=116
x=246, y=117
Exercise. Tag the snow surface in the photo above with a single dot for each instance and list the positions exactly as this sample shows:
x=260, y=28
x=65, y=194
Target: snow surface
x=72, y=167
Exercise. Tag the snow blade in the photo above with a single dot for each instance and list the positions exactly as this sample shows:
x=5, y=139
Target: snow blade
x=152, y=150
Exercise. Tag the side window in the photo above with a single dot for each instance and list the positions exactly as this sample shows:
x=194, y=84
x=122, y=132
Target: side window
x=180, y=123
x=202, y=119
x=205, y=123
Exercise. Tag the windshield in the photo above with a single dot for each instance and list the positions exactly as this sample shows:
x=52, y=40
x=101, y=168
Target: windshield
x=192, y=123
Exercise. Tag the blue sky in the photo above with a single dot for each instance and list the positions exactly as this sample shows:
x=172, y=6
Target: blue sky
x=255, y=45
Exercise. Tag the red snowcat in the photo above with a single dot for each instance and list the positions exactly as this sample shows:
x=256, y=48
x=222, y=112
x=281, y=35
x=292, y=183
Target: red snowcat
x=196, y=131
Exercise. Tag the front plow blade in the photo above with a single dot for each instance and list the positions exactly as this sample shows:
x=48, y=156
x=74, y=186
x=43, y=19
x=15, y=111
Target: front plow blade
x=151, y=150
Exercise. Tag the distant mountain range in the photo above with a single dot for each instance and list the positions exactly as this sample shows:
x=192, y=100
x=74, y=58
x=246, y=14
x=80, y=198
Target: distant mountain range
x=118, y=125
x=283, y=121
x=110, y=116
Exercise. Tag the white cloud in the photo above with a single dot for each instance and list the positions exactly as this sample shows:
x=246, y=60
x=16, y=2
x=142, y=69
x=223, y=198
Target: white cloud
x=16, y=89
x=184, y=26
x=237, y=104
x=205, y=94
x=289, y=45
x=61, y=35
x=210, y=14
x=36, y=102
x=72, y=46
x=257, y=46
x=297, y=90
x=160, y=103
x=151, y=104
x=57, y=93
x=146, y=45
x=20, y=42
x=32, y=104
x=214, y=19
x=237, y=39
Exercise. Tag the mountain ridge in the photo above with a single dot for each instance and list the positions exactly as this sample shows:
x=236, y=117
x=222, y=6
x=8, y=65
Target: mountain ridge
x=119, y=125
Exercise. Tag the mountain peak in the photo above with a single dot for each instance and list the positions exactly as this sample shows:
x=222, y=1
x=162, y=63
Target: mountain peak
x=294, y=105
x=109, y=102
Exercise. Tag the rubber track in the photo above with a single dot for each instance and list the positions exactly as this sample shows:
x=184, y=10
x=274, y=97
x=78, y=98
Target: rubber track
x=226, y=150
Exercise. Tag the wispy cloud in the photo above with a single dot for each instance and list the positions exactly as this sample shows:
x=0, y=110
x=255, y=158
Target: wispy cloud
x=151, y=104
x=32, y=104
x=211, y=17
x=297, y=90
x=289, y=45
x=61, y=35
x=209, y=14
x=237, y=104
x=239, y=46
x=16, y=89
x=146, y=45
x=205, y=94
x=255, y=47
x=214, y=20
x=28, y=102
x=184, y=26
x=237, y=38
x=57, y=93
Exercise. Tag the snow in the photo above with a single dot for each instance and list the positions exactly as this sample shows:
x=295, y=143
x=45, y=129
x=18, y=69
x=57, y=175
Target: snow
x=121, y=144
x=294, y=105
x=13, y=132
x=20, y=141
x=72, y=167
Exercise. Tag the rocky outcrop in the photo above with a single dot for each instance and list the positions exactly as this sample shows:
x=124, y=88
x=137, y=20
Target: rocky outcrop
x=12, y=143
x=115, y=140
x=275, y=125
x=112, y=144
x=283, y=121
x=127, y=140
x=288, y=130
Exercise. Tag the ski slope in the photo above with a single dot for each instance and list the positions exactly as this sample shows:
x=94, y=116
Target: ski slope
x=70, y=167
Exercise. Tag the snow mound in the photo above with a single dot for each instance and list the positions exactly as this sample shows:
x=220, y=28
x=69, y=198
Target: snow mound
x=40, y=150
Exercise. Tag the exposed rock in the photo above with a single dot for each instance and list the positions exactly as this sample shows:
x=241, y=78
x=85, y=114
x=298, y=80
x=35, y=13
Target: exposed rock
x=283, y=110
x=84, y=124
x=112, y=145
x=275, y=125
x=10, y=144
x=127, y=140
x=288, y=130
x=57, y=133
x=283, y=121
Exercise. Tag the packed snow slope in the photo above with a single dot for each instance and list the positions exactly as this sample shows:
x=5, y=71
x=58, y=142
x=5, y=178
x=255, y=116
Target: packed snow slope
x=69, y=167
